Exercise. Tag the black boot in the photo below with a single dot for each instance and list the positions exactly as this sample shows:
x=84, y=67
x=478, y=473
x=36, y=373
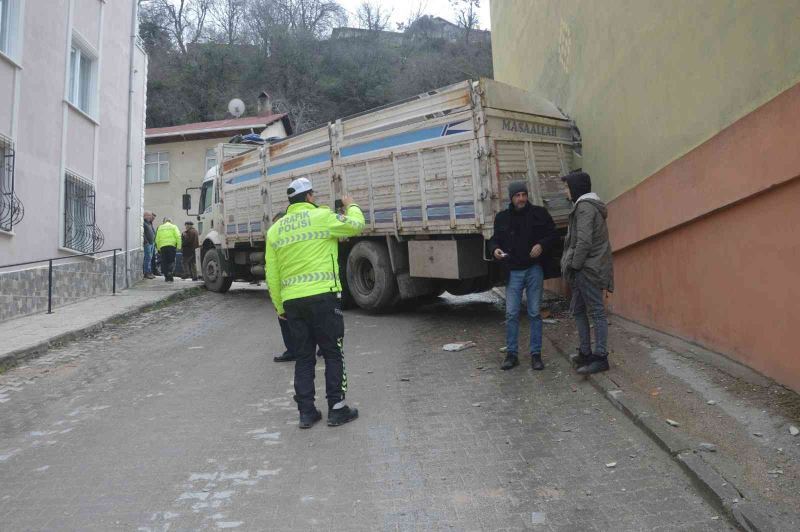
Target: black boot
x=579, y=359
x=285, y=357
x=596, y=365
x=510, y=361
x=307, y=419
x=340, y=416
x=536, y=362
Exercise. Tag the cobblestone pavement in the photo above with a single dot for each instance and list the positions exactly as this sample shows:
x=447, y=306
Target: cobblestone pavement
x=178, y=420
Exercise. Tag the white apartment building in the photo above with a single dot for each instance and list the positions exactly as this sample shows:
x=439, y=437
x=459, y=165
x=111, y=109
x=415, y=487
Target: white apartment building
x=72, y=110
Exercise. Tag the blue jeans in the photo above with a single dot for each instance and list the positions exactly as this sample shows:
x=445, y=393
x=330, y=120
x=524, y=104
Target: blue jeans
x=149, y=250
x=530, y=280
x=587, y=300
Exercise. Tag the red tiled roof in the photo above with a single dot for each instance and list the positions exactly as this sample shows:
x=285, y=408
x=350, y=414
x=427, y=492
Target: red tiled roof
x=217, y=125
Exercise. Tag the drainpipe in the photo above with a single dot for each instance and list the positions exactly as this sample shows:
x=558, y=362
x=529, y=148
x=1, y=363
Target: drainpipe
x=129, y=167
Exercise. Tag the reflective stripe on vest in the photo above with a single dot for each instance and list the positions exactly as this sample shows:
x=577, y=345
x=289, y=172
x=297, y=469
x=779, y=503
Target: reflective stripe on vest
x=308, y=278
x=309, y=235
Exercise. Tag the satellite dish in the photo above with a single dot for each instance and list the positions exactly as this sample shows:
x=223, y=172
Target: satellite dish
x=236, y=107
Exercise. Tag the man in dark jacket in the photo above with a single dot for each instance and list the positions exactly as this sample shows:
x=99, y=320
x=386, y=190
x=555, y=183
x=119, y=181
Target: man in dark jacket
x=149, y=244
x=588, y=267
x=190, y=241
x=524, y=236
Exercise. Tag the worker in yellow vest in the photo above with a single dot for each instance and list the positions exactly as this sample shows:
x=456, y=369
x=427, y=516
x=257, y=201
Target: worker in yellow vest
x=168, y=239
x=302, y=269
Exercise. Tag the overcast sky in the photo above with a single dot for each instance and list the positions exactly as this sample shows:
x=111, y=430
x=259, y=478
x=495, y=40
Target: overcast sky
x=401, y=9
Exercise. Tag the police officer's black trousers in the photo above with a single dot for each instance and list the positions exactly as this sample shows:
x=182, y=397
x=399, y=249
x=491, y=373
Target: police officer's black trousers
x=317, y=321
x=168, y=261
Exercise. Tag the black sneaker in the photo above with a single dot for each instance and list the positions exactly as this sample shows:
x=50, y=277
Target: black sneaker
x=340, y=416
x=596, y=365
x=285, y=357
x=307, y=420
x=510, y=361
x=536, y=361
x=579, y=359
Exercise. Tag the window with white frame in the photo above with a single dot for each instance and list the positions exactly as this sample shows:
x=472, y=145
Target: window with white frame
x=82, y=78
x=211, y=158
x=156, y=167
x=9, y=25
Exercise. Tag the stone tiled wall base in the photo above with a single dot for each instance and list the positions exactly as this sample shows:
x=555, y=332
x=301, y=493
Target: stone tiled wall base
x=25, y=292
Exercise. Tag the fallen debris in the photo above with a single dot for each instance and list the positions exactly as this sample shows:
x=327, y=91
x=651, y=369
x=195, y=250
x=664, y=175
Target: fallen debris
x=794, y=431
x=707, y=447
x=477, y=405
x=775, y=472
x=458, y=346
x=711, y=402
x=550, y=321
x=611, y=465
x=673, y=423
x=758, y=434
x=538, y=518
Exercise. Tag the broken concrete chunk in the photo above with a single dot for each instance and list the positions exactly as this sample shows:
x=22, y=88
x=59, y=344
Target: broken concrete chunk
x=673, y=423
x=611, y=464
x=458, y=346
x=775, y=472
x=711, y=402
x=794, y=431
x=707, y=447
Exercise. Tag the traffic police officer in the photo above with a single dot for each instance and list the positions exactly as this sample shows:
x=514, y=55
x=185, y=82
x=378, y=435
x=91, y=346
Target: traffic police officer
x=302, y=263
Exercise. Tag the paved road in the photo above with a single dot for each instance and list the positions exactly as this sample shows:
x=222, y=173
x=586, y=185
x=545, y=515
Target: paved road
x=178, y=420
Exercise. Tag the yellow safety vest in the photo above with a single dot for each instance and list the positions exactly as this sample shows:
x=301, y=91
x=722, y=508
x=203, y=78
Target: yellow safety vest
x=302, y=253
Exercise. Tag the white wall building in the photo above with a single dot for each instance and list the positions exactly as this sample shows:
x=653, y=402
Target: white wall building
x=72, y=109
x=179, y=157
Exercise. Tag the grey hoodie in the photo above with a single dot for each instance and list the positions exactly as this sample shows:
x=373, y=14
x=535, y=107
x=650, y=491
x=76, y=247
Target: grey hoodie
x=586, y=246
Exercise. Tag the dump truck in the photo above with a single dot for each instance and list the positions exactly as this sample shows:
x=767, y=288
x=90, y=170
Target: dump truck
x=429, y=173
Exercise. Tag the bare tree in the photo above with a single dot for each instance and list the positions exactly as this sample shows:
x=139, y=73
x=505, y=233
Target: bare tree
x=185, y=19
x=466, y=12
x=228, y=18
x=302, y=114
x=417, y=12
x=370, y=15
x=316, y=17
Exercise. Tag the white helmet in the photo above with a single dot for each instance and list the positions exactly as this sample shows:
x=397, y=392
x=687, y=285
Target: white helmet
x=299, y=186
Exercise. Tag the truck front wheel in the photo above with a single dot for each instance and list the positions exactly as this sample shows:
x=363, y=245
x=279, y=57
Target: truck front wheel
x=214, y=272
x=370, y=278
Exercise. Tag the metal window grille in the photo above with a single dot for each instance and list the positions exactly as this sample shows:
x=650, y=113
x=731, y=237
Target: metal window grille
x=11, y=209
x=81, y=232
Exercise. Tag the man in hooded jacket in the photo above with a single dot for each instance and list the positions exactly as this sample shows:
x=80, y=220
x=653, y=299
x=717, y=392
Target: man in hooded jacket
x=588, y=267
x=524, y=237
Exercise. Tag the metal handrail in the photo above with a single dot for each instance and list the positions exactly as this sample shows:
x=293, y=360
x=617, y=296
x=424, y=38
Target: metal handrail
x=50, y=271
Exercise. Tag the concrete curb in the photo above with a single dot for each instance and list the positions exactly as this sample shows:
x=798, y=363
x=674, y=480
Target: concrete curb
x=14, y=358
x=717, y=490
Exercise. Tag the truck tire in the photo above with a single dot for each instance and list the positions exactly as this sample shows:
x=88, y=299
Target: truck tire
x=370, y=278
x=348, y=302
x=214, y=265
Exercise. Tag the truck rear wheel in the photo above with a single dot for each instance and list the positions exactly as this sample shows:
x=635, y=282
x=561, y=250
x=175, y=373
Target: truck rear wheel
x=370, y=278
x=214, y=272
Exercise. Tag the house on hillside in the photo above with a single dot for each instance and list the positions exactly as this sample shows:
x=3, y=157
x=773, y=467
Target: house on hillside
x=178, y=157
x=425, y=28
x=73, y=81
